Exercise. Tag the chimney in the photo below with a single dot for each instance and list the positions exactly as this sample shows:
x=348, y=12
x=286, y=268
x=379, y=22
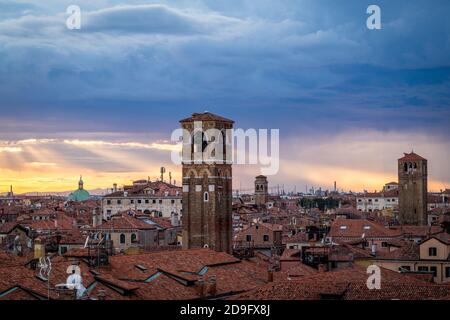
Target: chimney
x=95, y=217
x=201, y=287
x=66, y=294
x=374, y=249
x=39, y=248
x=269, y=275
x=212, y=289
x=322, y=267
x=114, y=187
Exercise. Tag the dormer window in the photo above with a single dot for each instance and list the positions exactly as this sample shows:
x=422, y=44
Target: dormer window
x=432, y=251
x=206, y=197
x=343, y=227
x=366, y=227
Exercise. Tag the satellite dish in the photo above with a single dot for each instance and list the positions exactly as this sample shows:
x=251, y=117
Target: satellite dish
x=206, y=246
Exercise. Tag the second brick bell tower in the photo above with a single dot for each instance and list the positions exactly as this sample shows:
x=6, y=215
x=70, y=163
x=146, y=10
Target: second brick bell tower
x=207, y=182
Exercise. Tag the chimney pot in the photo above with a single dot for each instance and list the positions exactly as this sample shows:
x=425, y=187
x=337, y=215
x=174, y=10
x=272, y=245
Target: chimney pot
x=270, y=275
x=212, y=290
x=322, y=268
x=201, y=287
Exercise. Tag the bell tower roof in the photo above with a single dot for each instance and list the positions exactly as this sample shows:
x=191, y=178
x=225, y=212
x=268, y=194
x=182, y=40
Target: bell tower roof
x=411, y=157
x=206, y=116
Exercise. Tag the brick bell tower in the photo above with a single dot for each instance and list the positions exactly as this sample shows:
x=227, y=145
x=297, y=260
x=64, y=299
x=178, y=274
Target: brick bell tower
x=412, y=198
x=207, y=182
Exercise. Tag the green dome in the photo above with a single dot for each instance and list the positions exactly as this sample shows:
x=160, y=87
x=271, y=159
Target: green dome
x=79, y=195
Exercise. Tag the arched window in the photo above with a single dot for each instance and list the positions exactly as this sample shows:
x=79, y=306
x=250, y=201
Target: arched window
x=206, y=197
x=133, y=237
x=122, y=238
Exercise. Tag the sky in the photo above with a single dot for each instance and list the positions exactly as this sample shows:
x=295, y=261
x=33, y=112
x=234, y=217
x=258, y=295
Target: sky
x=102, y=101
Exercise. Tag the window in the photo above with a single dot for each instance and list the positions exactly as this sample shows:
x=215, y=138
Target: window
x=384, y=244
x=172, y=201
x=122, y=238
x=139, y=201
x=119, y=201
x=249, y=237
x=404, y=268
x=63, y=250
x=422, y=269
x=154, y=201
x=108, y=212
x=359, y=200
x=160, y=201
x=447, y=272
x=434, y=270
x=206, y=197
x=132, y=201
x=133, y=237
x=146, y=201
x=108, y=201
x=266, y=237
x=432, y=251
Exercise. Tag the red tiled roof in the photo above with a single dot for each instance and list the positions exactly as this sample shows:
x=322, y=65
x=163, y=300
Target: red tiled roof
x=418, y=231
x=355, y=228
x=7, y=227
x=162, y=222
x=409, y=251
x=124, y=222
x=411, y=157
x=348, y=284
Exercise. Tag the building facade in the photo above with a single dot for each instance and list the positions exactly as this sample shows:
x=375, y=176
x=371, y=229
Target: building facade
x=412, y=179
x=369, y=202
x=157, y=198
x=207, y=182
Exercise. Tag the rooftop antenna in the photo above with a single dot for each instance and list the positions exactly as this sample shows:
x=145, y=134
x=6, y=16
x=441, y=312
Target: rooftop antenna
x=163, y=170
